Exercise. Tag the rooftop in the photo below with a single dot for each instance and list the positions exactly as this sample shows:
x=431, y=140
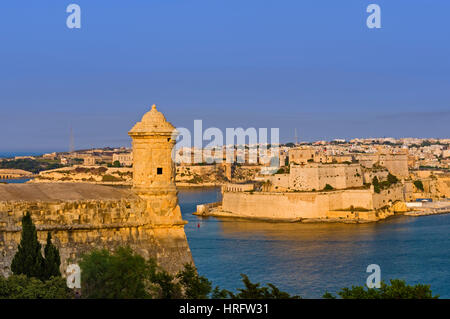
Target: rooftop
x=152, y=122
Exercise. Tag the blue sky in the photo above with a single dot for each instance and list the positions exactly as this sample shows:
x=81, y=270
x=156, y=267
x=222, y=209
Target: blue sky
x=311, y=65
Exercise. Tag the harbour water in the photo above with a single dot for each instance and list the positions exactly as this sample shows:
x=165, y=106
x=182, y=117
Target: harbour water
x=14, y=181
x=308, y=259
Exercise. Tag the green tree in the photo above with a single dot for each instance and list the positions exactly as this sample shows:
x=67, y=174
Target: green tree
x=392, y=179
x=23, y=287
x=218, y=293
x=164, y=285
x=397, y=289
x=116, y=164
x=28, y=260
x=125, y=274
x=52, y=259
x=254, y=291
x=419, y=185
x=195, y=286
x=328, y=187
x=122, y=274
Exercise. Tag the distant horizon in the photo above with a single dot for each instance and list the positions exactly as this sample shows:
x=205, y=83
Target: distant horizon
x=6, y=153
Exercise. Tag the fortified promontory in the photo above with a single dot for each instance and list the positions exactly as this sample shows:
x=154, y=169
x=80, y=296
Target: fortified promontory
x=82, y=217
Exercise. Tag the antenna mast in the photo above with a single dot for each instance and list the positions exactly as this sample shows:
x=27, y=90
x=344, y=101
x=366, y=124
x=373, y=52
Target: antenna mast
x=71, y=143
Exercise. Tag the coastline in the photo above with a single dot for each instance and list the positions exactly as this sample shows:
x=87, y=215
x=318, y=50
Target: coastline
x=228, y=215
x=196, y=186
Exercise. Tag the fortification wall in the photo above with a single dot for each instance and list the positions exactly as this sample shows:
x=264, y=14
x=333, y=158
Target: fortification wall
x=388, y=196
x=443, y=186
x=80, y=221
x=317, y=176
x=280, y=182
x=275, y=205
x=397, y=164
x=356, y=198
x=311, y=205
x=381, y=174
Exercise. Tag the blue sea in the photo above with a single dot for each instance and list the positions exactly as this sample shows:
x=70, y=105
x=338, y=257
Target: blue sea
x=308, y=259
x=14, y=154
x=14, y=181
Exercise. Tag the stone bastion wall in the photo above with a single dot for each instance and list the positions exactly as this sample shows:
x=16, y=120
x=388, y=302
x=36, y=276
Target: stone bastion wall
x=308, y=205
x=82, y=217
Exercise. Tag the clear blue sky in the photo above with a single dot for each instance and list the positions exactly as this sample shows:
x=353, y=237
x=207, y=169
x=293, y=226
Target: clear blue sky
x=311, y=65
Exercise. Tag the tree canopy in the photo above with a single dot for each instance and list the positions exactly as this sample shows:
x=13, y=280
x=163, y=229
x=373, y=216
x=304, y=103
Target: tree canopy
x=397, y=289
x=23, y=287
x=29, y=261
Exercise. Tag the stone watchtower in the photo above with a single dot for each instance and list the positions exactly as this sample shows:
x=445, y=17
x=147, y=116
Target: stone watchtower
x=153, y=167
x=83, y=216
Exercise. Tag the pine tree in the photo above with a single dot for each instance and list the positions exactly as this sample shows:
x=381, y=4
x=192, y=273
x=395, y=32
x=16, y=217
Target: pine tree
x=28, y=260
x=52, y=259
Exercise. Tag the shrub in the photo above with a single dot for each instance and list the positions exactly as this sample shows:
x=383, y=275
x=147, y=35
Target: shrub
x=376, y=185
x=23, y=287
x=398, y=289
x=116, y=164
x=392, y=179
x=110, y=178
x=419, y=185
x=195, y=286
x=254, y=291
x=121, y=274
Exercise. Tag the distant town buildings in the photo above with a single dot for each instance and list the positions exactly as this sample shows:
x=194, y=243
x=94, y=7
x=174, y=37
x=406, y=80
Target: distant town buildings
x=375, y=157
x=90, y=161
x=125, y=159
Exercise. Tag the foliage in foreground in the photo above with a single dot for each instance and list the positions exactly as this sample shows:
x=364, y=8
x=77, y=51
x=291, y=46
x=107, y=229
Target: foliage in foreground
x=398, y=289
x=29, y=260
x=34, y=276
x=254, y=291
x=23, y=287
x=119, y=275
x=125, y=274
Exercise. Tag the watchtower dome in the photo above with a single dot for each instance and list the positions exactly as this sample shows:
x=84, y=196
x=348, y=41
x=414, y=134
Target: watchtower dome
x=153, y=168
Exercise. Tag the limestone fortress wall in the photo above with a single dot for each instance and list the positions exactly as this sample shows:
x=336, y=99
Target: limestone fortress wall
x=82, y=217
x=335, y=204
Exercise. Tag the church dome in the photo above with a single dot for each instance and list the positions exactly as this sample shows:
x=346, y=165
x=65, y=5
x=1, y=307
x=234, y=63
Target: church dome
x=152, y=122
